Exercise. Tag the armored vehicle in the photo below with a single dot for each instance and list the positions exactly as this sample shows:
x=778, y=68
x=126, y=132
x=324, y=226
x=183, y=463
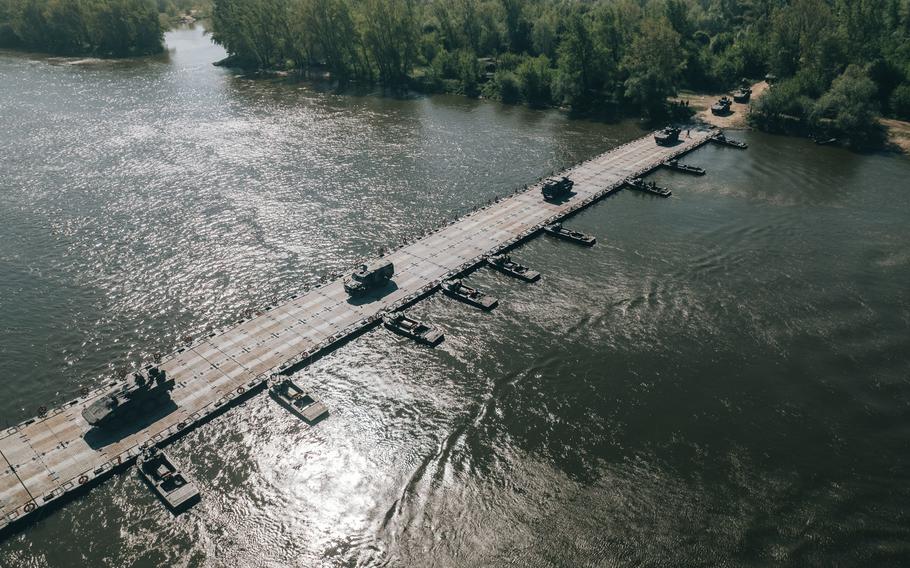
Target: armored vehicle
x=667, y=136
x=115, y=405
x=506, y=265
x=166, y=480
x=722, y=107
x=369, y=277
x=742, y=95
x=554, y=188
x=472, y=296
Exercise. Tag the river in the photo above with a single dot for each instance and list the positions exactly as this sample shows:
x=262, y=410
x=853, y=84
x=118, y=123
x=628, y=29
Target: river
x=722, y=381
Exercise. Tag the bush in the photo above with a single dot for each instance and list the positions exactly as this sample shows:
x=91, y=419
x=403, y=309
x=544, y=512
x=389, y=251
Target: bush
x=851, y=106
x=507, y=86
x=900, y=102
x=536, y=79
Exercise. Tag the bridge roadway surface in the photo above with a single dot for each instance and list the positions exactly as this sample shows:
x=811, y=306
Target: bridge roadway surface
x=48, y=456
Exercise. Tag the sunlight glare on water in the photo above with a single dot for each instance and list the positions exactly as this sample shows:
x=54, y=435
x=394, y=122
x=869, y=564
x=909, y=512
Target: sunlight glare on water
x=722, y=380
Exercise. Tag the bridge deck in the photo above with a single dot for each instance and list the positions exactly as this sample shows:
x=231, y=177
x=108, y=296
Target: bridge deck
x=43, y=458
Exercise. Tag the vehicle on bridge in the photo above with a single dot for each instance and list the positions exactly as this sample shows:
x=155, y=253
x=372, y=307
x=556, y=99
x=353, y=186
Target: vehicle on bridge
x=113, y=407
x=369, y=277
x=555, y=188
x=667, y=136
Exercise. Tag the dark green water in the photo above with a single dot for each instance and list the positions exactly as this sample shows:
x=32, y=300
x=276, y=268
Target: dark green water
x=721, y=381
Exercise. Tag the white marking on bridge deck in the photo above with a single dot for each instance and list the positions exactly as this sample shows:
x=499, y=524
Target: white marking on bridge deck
x=48, y=456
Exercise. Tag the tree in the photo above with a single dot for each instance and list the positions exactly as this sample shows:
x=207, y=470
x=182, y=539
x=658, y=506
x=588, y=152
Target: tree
x=535, y=78
x=653, y=65
x=576, y=66
x=390, y=36
x=851, y=107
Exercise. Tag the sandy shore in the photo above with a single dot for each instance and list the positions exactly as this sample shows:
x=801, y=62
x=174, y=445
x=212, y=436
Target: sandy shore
x=701, y=103
x=898, y=133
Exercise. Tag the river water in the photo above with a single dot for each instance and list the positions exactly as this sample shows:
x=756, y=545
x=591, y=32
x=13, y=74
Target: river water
x=721, y=381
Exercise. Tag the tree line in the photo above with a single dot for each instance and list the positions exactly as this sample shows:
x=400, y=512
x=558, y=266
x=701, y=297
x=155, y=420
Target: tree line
x=591, y=55
x=82, y=27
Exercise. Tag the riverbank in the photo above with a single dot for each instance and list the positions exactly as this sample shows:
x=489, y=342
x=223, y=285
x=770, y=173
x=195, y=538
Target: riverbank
x=898, y=134
x=701, y=104
x=897, y=131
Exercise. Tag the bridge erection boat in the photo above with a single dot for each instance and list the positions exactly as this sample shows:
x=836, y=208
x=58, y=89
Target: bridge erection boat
x=560, y=232
x=472, y=296
x=505, y=264
x=298, y=401
x=167, y=481
x=420, y=332
x=639, y=184
x=676, y=166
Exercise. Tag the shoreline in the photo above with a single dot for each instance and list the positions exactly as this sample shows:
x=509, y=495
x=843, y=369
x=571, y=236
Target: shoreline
x=897, y=131
x=737, y=120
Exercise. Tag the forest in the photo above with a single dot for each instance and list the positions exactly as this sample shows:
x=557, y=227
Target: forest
x=837, y=63
x=114, y=28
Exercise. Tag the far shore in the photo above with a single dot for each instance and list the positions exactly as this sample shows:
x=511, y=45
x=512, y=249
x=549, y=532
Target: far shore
x=898, y=130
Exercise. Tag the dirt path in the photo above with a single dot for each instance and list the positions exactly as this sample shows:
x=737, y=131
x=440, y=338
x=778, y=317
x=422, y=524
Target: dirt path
x=898, y=133
x=701, y=103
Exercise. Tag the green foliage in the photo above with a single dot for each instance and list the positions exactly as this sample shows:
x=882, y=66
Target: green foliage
x=900, y=102
x=781, y=107
x=507, y=87
x=81, y=27
x=848, y=109
x=467, y=71
x=627, y=53
x=536, y=78
x=653, y=64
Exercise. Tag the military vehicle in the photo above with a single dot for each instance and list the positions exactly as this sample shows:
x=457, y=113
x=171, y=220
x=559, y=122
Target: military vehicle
x=648, y=187
x=298, y=401
x=506, y=265
x=554, y=188
x=113, y=407
x=722, y=107
x=369, y=277
x=166, y=480
x=472, y=296
x=408, y=327
x=742, y=95
x=676, y=166
x=667, y=136
x=558, y=231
